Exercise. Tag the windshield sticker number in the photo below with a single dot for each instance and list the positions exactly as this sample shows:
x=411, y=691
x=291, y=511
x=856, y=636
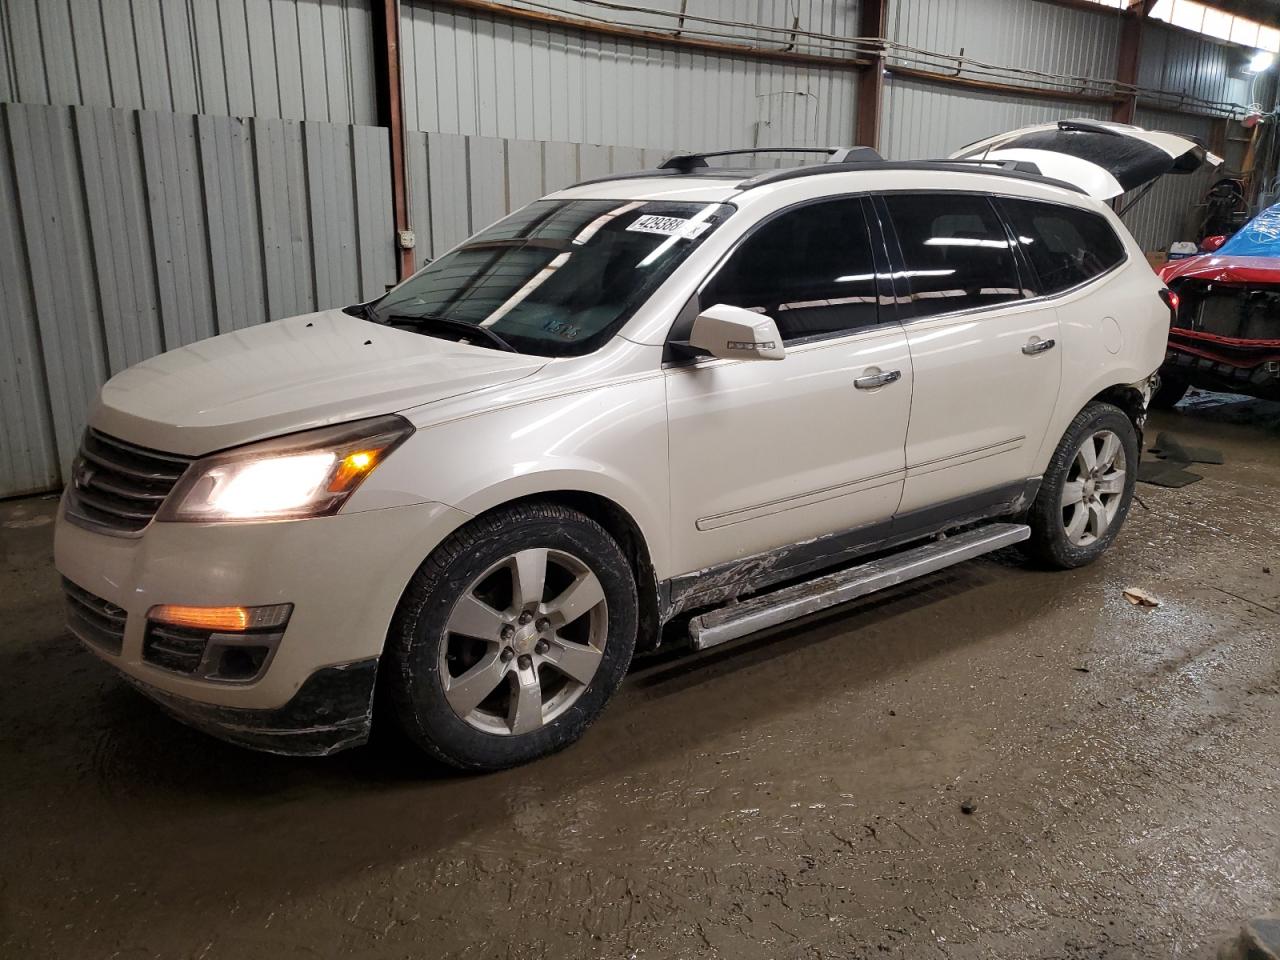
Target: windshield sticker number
x=562, y=328
x=668, y=226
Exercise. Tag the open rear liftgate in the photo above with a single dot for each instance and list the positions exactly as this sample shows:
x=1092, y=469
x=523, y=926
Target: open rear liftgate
x=801, y=599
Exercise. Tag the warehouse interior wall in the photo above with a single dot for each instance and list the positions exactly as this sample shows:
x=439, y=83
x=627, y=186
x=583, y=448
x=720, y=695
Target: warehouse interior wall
x=173, y=170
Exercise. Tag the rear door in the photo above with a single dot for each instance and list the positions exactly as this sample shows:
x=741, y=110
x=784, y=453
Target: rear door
x=984, y=356
x=1101, y=158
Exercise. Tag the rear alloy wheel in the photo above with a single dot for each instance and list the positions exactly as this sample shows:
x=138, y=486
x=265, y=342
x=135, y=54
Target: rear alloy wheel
x=1094, y=489
x=1087, y=489
x=511, y=637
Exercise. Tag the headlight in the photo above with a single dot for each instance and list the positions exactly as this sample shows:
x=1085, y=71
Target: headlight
x=307, y=474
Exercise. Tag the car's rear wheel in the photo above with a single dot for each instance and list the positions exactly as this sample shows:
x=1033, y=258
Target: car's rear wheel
x=1087, y=490
x=511, y=637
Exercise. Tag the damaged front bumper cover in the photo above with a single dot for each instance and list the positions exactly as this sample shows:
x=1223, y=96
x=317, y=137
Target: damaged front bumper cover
x=332, y=711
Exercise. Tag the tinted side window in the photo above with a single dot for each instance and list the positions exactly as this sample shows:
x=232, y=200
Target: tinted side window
x=811, y=269
x=955, y=252
x=1065, y=245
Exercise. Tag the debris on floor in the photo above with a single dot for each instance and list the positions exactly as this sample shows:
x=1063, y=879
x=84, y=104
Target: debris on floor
x=1170, y=470
x=1140, y=598
x=1260, y=940
x=1166, y=473
x=1169, y=447
x=968, y=806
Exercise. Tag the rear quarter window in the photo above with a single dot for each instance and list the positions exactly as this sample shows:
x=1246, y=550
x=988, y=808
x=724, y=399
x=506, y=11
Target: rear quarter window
x=1067, y=246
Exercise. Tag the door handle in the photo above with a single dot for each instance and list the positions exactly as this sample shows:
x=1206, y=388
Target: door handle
x=1038, y=346
x=873, y=380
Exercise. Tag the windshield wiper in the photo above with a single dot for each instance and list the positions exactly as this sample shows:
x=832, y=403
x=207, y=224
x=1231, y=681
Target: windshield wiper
x=458, y=326
x=362, y=310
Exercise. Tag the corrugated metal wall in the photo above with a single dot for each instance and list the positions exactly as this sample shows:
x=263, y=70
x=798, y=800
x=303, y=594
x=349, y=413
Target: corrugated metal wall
x=1168, y=212
x=1181, y=62
x=923, y=120
x=294, y=59
x=751, y=19
x=131, y=230
x=474, y=74
x=124, y=233
x=1032, y=35
x=459, y=185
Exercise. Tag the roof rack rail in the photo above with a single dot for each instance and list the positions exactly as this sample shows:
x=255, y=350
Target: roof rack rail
x=688, y=162
x=1019, y=169
x=1013, y=166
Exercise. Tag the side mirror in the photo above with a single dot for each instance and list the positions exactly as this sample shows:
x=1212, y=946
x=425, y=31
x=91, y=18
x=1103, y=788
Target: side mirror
x=732, y=333
x=1210, y=244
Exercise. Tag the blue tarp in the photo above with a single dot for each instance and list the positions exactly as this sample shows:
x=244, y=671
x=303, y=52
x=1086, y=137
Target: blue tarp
x=1260, y=237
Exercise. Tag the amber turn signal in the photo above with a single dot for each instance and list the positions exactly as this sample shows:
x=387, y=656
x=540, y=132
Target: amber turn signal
x=352, y=468
x=224, y=619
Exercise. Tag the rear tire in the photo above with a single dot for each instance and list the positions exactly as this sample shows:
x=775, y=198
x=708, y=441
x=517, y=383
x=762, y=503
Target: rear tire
x=511, y=637
x=1087, y=489
x=1172, y=389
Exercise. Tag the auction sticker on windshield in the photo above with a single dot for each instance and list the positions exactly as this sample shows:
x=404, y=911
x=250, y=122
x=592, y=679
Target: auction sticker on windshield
x=668, y=226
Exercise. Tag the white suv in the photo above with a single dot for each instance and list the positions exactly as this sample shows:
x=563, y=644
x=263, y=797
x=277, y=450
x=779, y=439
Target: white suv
x=696, y=397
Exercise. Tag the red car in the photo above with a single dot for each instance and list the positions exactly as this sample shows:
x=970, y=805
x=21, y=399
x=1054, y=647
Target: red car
x=1226, y=327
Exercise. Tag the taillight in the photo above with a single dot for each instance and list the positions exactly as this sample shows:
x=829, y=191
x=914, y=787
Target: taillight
x=1171, y=300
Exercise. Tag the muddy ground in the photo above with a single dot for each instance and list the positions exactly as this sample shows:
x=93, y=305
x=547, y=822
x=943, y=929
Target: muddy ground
x=798, y=794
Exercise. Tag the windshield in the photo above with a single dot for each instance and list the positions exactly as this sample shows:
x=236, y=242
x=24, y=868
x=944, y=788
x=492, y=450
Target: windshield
x=1260, y=237
x=556, y=278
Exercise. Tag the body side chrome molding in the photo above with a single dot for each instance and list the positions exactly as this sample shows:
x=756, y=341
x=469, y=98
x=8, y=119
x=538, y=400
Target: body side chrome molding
x=782, y=504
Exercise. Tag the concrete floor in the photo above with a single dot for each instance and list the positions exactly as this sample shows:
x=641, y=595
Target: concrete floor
x=796, y=795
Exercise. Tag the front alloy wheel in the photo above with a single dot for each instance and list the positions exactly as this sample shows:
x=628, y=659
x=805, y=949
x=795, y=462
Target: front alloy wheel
x=512, y=660
x=511, y=636
x=1095, y=488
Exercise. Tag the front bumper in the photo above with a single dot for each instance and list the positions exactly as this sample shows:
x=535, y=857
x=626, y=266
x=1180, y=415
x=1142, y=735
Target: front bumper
x=343, y=574
x=332, y=711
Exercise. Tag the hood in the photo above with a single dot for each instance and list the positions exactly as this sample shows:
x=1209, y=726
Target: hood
x=1103, y=159
x=294, y=374
x=1216, y=268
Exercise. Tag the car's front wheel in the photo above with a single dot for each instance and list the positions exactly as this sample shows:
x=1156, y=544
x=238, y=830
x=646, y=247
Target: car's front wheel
x=1087, y=489
x=511, y=637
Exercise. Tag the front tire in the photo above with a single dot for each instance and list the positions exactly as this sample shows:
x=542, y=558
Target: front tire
x=511, y=637
x=1087, y=489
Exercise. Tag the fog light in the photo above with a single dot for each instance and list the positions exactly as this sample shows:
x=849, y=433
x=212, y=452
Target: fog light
x=239, y=663
x=227, y=619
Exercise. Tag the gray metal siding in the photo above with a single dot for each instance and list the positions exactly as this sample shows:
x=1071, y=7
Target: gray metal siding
x=1180, y=62
x=28, y=458
x=751, y=17
x=294, y=59
x=124, y=233
x=1029, y=34
x=473, y=74
x=923, y=120
x=459, y=185
x=1170, y=211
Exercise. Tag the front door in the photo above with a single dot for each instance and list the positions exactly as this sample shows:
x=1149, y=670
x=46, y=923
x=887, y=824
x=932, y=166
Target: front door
x=986, y=362
x=769, y=453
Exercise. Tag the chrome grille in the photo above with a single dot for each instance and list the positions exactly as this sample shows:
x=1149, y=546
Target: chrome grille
x=116, y=487
x=94, y=620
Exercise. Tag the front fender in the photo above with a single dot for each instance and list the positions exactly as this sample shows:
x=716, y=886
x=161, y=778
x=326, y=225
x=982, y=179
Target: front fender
x=610, y=442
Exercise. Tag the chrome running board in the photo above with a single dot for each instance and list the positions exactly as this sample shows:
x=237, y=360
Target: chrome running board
x=770, y=609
